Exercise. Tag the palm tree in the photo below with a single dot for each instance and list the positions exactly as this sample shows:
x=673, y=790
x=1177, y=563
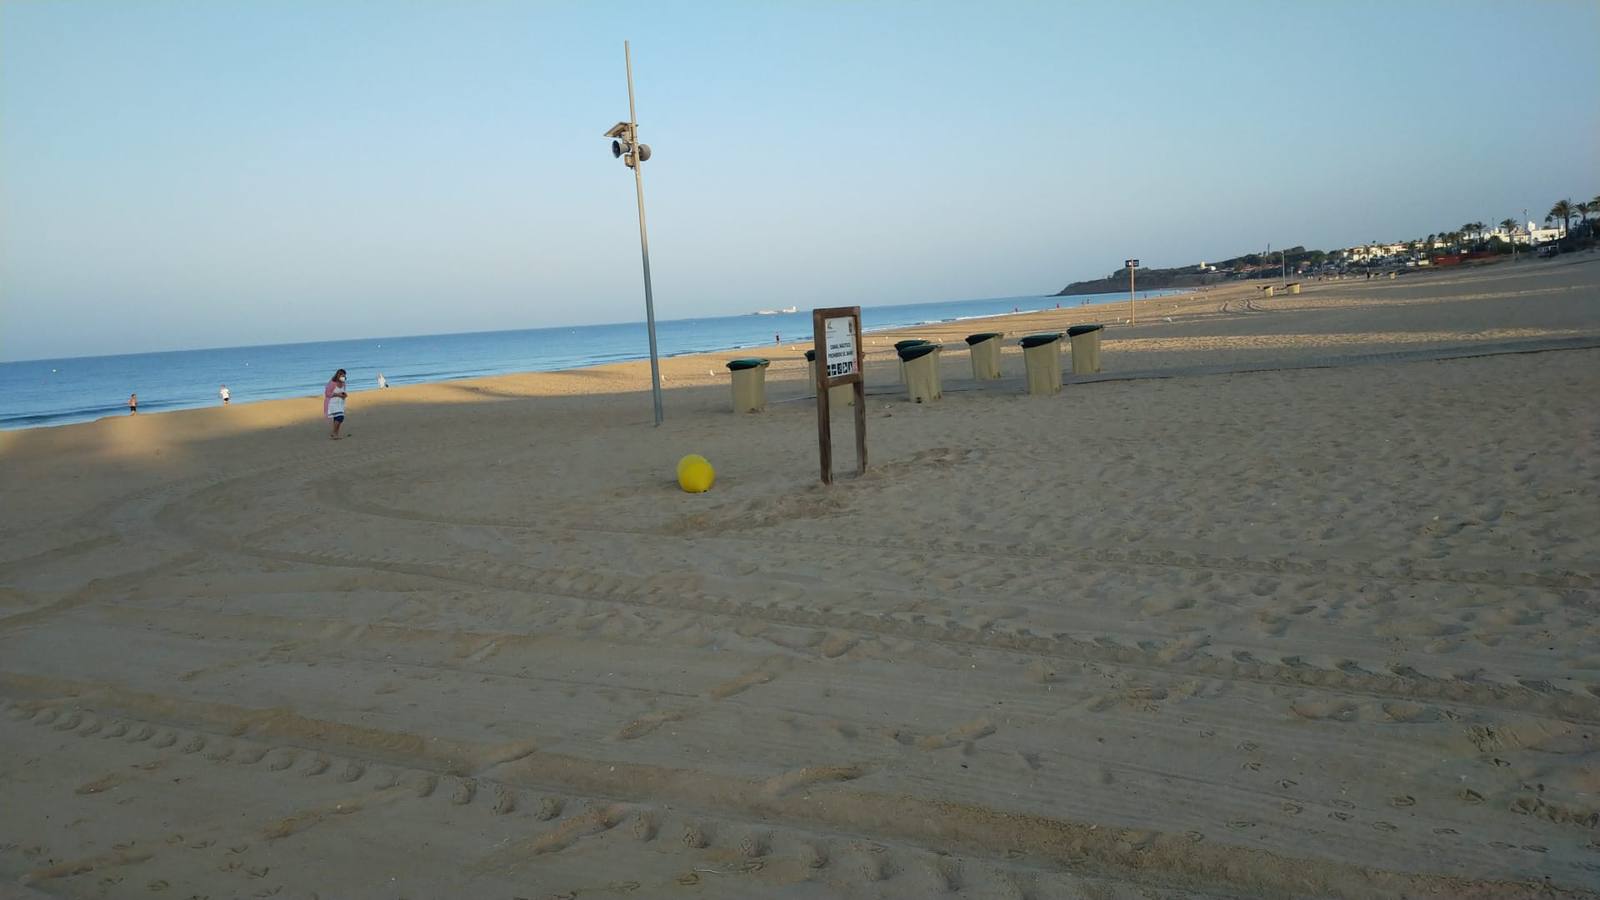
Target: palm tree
x=1509, y=226
x=1584, y=209
x=1562, y=210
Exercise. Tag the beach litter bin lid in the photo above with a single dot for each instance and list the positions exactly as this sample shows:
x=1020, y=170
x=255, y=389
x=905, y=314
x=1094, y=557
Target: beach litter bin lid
x=811, y=356
x=1038, y=340
x=917, y=351
x=914, y=342
x=983, y=336
x=1076, y=330
x=749, y=362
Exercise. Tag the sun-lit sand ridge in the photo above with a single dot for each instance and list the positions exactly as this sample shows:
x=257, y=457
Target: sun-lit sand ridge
x=1311, y=632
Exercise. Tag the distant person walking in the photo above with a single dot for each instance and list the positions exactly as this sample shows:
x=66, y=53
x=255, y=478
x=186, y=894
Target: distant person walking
x=333, y=396
x=133, y=404
x=382, y=381
x=226, y=396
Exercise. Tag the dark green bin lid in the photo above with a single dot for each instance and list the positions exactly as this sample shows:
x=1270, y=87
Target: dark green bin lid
x=1038, y=340
x=917, y=351
x=983, y=336
x=750, y=362
x=811, y=356
x=1076, y=330
x=914, y=342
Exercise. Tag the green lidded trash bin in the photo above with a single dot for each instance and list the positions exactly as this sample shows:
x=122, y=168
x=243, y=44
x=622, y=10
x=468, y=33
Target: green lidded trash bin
x=985, y=355
x=901, y=345
x=1085, y=348
x=1042, y=355
x=749, y=384
x=921, y=363
x=839, y=394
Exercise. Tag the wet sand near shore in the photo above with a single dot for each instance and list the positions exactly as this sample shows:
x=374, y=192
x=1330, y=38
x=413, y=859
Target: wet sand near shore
x=1226, y=626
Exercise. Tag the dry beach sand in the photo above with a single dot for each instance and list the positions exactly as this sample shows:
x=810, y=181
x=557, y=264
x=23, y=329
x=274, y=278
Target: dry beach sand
x=1297, y=599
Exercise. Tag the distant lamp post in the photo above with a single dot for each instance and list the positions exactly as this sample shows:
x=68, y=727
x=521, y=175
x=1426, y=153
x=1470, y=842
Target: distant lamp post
x=1133, y=311
x=626, y=147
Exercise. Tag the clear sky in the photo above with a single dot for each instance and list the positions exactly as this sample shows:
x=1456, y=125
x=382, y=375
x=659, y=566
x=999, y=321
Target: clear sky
x=183, y=174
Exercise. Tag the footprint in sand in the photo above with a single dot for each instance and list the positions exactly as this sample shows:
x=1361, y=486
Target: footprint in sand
x=549, y=808
x=754, y=844
x=465, y=789
x=695, y=837
x=504, y=801
x=644, y=825
x=425, y=784
x=947, y=874
x=873, y=864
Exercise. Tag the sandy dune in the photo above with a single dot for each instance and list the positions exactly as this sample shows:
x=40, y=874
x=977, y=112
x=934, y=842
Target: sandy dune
x=1179, y=632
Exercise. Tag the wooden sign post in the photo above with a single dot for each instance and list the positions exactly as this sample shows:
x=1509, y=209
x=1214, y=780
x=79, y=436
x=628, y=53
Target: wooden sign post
x=840, y=360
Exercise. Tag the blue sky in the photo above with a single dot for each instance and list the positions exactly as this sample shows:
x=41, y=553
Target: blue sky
x=184, y=174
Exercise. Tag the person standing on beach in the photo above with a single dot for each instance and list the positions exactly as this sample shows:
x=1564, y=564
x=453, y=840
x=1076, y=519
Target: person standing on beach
x=382, y=381
x=225, y=395
x=133, y=404
x=333, y=396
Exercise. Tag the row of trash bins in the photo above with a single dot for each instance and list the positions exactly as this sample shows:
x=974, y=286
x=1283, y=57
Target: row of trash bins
x=919, y=366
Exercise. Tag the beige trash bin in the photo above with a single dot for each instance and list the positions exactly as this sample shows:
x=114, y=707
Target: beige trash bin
x=749, y=384
x=901, y=345
x=985, y=355
x=1268, y=290
x=1042, y=355
x=1392, y=275
x=838, y=395
x=921, y=363
x=1085, y=348
x=1294, y=288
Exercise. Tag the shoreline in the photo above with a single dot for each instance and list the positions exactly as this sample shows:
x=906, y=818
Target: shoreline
x=155, y=407
x=703, y=368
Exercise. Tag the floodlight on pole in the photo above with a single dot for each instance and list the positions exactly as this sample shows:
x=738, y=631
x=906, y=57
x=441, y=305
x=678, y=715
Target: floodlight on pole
x=626, y=147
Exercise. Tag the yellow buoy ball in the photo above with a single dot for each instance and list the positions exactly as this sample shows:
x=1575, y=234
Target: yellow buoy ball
x=695, y=474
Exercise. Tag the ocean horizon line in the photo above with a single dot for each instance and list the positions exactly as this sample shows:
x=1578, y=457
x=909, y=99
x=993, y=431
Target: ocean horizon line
x=762, y=315
x=64, y=390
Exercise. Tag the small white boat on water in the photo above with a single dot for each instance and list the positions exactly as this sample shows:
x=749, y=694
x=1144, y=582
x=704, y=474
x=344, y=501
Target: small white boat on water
x=776, y=312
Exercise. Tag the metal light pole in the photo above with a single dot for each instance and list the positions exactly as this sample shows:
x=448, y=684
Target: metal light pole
x=625, y=145
x=1133, y=311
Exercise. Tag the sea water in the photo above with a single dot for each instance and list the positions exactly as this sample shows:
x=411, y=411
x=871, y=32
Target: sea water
x=58, y=391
